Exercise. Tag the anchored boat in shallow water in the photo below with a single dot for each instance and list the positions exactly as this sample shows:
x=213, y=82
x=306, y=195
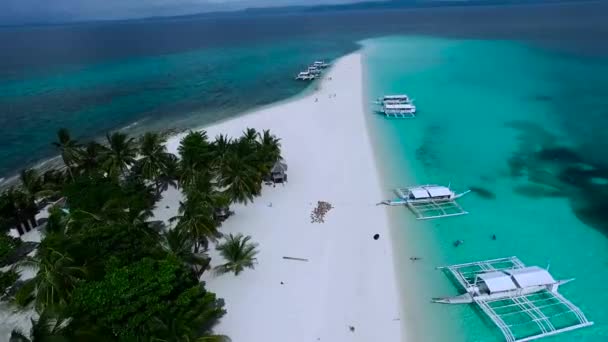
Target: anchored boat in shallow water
x=397, y=106
x=313, y=71
x=522, y=301
x=429, y=201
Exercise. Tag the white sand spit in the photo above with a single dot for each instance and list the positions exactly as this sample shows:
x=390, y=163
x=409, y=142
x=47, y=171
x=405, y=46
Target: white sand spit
x=348, y=280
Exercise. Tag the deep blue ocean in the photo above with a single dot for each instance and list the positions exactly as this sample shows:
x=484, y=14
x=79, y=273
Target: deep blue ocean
x=175, y=73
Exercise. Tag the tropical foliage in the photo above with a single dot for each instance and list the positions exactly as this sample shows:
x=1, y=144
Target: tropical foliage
x=238, y=252
x=104, y=271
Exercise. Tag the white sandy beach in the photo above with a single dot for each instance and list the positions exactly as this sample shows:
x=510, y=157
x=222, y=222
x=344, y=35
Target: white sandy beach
x=349, y=278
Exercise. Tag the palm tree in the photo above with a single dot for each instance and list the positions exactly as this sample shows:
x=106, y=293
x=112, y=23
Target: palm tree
x=56, y=278
x=36, y=186
x=120, y=154
x=31, y=182
x=50, y=327
x=179, y=243
x=154, y=158
x=168, y=176
x=238, y=252
x=221, y=148
x=190, y=324
x=196, y=155
x=52, y=183
x=202, y=189
x=250, y=136
x=198, y=222
x=91, y=158
x=69, y=149
x=238, y=177
x=269, y=150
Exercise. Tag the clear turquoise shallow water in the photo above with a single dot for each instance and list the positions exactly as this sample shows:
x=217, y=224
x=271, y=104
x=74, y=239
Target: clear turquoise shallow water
x=525, y=128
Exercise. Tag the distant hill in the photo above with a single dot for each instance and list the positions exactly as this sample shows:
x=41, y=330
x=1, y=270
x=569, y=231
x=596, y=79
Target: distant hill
x=358, y=6
x=397, y=4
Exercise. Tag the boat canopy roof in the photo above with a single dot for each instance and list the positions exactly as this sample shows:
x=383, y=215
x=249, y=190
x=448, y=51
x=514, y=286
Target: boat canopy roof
x=498, y=281
x=429, y=191
x=511, y=279
x=420, y=193
x=396, y=97
x=398, y=106
x=438, y=191
x=531, y=276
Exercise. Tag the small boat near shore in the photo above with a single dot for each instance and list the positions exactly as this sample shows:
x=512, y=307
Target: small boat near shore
x=305, y=76
x=429, y=201
x=394, y=99
x=397, y=106
x=313, y=71
x=321, y=64
x=399, y=110
x=522, y=301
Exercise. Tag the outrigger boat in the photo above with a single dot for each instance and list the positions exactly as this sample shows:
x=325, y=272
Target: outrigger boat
x=521, y=300
x=305, y=76
x=399, y=110
x=429, y=201
x=320, y=64
x=394, y=99
x=314, y=70
x=397, y=106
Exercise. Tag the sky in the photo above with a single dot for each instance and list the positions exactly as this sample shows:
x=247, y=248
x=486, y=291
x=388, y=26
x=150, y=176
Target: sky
x=28, y=11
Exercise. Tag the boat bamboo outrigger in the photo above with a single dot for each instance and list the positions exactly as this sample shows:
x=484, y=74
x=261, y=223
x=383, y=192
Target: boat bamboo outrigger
x=399, y=110
x=429, y=201
x=522, y=301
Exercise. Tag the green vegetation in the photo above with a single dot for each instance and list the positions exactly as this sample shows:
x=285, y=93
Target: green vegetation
x=7, y=279
x=103, y=270
x=238, y=252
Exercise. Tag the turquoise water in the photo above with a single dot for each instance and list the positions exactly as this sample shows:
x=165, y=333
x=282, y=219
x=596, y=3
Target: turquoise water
x=524, y=128
x=182, y=72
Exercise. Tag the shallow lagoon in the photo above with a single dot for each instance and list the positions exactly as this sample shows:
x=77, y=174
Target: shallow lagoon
x=523, y=128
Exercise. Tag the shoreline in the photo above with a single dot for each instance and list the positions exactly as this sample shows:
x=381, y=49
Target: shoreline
x=54, y=161
x=349, y=279
x=347, y=289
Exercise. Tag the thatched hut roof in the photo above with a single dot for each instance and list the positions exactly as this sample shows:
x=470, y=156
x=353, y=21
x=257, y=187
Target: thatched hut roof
x=279, y=167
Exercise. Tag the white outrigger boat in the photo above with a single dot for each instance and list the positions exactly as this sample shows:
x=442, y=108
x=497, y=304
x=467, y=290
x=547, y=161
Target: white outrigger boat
x=521, y=300
x=399, y=110
x=305, y=76
x=394, y=99
x=320, y=64
x=397, y=106
x=314, y=70
x=429, y=201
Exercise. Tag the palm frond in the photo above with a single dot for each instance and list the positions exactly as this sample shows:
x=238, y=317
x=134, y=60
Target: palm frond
x=239, y=253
